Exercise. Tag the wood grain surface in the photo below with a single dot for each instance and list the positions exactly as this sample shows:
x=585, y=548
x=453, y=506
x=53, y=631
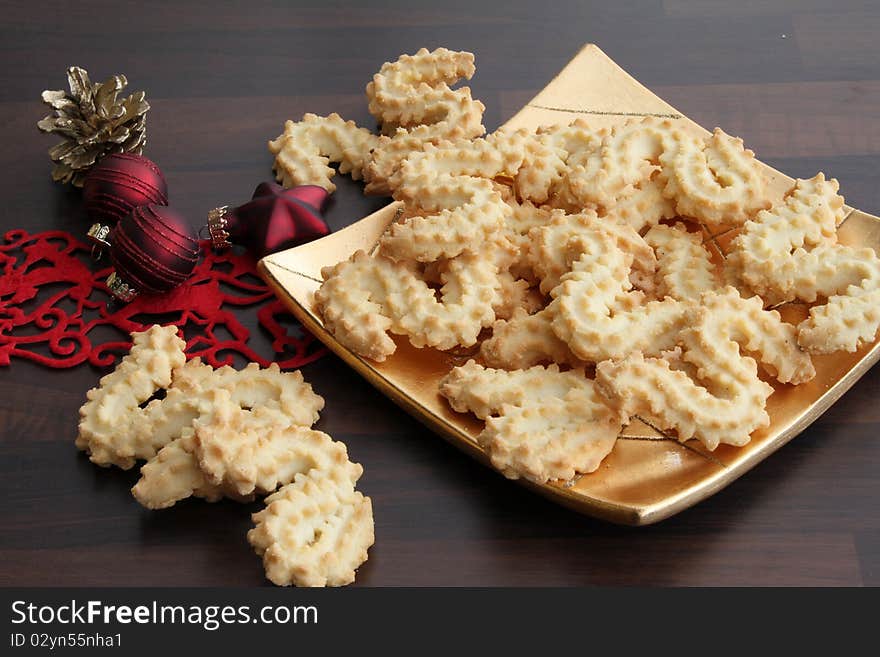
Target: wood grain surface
x=799, y=81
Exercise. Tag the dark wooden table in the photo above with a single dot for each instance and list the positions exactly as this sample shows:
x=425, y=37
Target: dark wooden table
x=800, y=81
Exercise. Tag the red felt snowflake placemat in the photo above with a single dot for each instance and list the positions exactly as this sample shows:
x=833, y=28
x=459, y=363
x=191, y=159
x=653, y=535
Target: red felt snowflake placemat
x=55, y=308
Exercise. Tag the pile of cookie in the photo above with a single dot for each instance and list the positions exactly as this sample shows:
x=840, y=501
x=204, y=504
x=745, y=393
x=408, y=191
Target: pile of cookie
x=577, y=264
x=233, y=433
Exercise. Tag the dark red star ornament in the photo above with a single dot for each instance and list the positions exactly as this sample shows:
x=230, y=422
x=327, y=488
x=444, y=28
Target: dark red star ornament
x=274, y=219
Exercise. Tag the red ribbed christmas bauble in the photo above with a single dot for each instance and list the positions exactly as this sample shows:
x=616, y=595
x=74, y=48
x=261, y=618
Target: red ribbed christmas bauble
x=153, y=249
x=121, y=182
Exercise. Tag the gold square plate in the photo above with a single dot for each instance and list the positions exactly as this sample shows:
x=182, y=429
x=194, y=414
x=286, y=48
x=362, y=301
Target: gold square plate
x=647, y=477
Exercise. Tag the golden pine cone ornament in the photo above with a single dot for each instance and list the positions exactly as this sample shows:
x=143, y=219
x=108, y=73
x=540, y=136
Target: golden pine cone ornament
x=94, y=122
